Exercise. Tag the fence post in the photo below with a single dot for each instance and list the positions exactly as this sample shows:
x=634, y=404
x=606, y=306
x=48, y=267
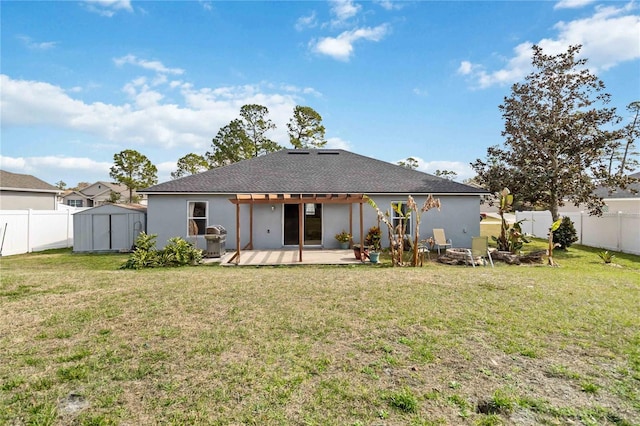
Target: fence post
x=68, y=225
x=619, y=244
x=29, y=212
x=581, y=227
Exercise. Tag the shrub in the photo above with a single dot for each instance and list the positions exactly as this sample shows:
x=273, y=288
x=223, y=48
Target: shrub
x=141, y=258
x=566, y=234
x=606, y=256
x=178, y=252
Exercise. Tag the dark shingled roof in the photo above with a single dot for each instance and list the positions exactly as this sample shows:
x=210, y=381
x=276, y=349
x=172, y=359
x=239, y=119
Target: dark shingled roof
x=621, y=193
x=312, y=171
x=10, y=180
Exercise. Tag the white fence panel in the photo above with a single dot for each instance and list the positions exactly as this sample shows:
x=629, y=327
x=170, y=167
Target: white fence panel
x=611, y=231
x=24, y=231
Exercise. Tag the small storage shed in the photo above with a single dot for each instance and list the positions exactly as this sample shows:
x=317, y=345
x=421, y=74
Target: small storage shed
x=110, y=227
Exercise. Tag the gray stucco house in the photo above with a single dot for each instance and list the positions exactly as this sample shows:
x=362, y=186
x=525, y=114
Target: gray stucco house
x=265, y=198
x=20, y=192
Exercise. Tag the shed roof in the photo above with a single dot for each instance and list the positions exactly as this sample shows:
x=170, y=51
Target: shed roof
x=17, y=181
x=313, y=171
x=110, y=207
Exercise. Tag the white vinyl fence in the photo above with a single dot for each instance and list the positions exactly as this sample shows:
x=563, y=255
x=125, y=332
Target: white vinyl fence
x=24, y=231
x=611, y=231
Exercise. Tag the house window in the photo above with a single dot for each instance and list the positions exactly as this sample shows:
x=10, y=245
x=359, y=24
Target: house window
x=399, y=219
x=74, y=203
x=197, y=218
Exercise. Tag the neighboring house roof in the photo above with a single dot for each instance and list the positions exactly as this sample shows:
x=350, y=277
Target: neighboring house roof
x=75, y=194
x=100, y=187
x=312, y=171
x=603, y=192
x=20, y=182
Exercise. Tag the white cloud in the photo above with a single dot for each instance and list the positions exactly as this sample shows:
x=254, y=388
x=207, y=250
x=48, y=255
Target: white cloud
x=305, y=22
x=389, y=4
x=108, y=8
x=341, y=47
x=420, y=92
x=166, y=168
x=206, y=5
x=33, y=45
x=145, y=122
x=337, y=143
x=465, y=68
x=156, y=66
x=608, y=37
x=572, y=4
x=31, y=165
x=343, y=10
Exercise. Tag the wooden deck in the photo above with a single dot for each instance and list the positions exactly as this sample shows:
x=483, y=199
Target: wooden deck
x=289, y=257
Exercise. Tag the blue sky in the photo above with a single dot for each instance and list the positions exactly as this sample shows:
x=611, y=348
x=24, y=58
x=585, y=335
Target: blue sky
x=84, y=80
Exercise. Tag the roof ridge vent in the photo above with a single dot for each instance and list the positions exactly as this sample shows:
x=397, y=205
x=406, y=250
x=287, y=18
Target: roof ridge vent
x=328, y=152
x=298, y=152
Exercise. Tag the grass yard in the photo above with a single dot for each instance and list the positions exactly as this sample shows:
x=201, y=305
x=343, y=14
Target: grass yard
x=83, y=343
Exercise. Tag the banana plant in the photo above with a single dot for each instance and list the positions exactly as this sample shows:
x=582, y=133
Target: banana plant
x=554, y=226
x=506, y=202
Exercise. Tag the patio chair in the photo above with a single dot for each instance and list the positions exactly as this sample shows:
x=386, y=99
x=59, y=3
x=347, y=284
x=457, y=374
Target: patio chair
x=440, y=240
x=480, y=248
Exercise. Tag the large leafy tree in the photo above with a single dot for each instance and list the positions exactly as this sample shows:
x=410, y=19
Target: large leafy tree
x=410, y=163
x=133, y=170
x=230, y=145
x=306, y=129
x=190, y=164
x=255, y=124
x=556, y=136
x=243, y=137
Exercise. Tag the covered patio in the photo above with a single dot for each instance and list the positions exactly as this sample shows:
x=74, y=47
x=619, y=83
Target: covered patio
x=289, y=257
x=313, y=256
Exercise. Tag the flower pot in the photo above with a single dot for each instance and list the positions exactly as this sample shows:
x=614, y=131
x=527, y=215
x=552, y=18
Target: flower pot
x=344, y=245
x=374, y=256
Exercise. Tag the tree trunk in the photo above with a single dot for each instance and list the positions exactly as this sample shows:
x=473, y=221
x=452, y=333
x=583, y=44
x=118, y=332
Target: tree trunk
x=553, y=193
x=553, y=208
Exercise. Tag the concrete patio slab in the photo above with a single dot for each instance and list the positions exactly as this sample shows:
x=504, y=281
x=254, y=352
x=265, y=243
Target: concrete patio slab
x=289, y=257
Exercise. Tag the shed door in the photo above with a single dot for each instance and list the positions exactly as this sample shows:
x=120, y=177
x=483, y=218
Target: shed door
x=120, y=232
x=110, y=232
x=101, y=232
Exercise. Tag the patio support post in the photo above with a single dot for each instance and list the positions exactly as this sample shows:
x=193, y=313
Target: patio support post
x=351, y=225
x=300, y=230
x=238, y=233
x=251, y=226
x=361, y=234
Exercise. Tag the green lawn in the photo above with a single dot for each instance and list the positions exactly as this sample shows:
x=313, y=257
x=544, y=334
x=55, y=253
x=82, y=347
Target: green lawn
x=82, y=342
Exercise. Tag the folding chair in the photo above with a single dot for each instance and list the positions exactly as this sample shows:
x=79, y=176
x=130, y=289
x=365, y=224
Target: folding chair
x=479, y=248
x=440, y=239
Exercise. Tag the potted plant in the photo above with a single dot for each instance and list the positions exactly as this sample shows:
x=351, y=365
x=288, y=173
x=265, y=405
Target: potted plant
x=373, y=241
x=343, y=238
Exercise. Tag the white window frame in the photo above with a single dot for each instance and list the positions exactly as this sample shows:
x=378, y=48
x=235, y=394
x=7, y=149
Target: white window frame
x=395, y=219
x=74, y=203
x=191, y=216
